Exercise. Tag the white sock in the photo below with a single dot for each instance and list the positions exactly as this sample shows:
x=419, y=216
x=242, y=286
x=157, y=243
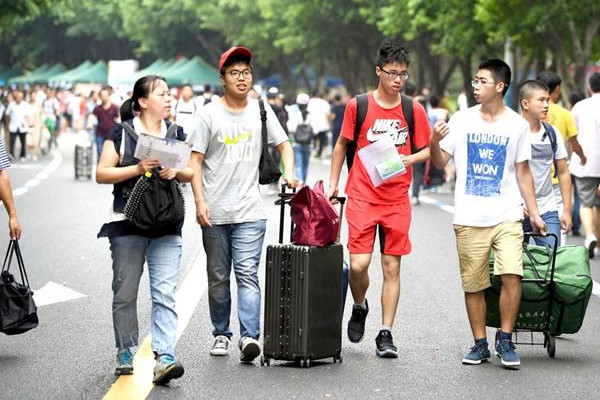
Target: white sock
x=362, y=304
x=386, y=328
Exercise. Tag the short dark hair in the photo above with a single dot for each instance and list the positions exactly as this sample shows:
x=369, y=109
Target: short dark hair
x=529, y=86
x=500, y=71
x=575, y=98
x=391, y=51
x=434, y=101
x=409, y=89
x=595, y=82
x=550, y=78
x=234, y=59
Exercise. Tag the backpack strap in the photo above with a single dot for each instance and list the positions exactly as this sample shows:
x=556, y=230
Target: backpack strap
x=171, y=130
x=551, y=134
x=407, y=110
x=362, y=106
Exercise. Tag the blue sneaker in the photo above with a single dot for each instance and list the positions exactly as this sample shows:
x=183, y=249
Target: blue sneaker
x=505, y=349
x=166, y=369
x=478, y=354
x=124, y=362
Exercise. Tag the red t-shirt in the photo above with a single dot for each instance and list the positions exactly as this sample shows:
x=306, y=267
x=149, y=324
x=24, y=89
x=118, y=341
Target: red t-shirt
x=380, y=121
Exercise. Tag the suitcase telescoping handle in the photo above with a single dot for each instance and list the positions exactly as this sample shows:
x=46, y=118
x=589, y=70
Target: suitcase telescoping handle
x=553, y=249
x=286, y=198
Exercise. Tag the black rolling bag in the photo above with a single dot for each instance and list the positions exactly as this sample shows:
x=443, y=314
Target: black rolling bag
x=303, y=299
x=83, y=161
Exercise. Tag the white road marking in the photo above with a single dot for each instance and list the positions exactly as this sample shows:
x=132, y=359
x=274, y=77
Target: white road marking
x=39, y=177
x=52, y=293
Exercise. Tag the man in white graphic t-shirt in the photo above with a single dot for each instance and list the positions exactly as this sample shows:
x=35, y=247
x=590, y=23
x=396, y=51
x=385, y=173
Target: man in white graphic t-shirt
x=490, y=147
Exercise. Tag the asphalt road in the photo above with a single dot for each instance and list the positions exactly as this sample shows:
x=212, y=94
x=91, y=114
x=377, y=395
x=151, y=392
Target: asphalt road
x=71, y=354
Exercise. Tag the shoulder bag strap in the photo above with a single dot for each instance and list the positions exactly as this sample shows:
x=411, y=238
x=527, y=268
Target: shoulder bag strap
x=263, y=119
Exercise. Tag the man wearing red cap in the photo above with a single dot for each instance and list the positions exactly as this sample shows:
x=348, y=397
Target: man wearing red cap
x=225, y=157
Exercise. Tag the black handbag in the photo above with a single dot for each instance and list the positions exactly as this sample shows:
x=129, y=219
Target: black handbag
x=18, y=312
x=268, y=171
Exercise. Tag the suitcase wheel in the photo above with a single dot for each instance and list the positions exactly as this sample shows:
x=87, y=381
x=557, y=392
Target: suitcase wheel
x=305, y=363
x=338, y=357
x=265, y=360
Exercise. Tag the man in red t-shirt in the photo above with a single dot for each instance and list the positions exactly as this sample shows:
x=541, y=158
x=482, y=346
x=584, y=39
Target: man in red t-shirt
x=386, y=206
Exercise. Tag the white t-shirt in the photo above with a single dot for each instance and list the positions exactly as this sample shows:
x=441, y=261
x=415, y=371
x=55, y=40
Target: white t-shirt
x=18, y=114
x=485, y=155
x=542, y=158
x=319, y=110
x=231, y=144
x=185, y=113
x=587, y=118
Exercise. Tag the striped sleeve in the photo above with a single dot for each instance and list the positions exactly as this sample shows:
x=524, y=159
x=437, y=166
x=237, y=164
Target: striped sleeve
x=4, y=160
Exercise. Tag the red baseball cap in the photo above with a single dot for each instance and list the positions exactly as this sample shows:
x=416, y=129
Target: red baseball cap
x=238, y=50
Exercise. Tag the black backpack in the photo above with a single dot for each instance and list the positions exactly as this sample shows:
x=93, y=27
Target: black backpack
x=362, y=106
x=304, y=133
x=155, y=203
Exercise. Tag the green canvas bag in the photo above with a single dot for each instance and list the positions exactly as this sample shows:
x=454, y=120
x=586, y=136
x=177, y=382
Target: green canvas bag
x=572, y=290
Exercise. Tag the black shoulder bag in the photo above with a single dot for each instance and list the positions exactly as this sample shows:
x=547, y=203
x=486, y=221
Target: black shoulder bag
x=18, y=312
x=155, y=203
x=268, y=171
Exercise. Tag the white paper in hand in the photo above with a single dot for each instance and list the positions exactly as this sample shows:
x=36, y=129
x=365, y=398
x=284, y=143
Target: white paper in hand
x=171, y=153
x=381, y=160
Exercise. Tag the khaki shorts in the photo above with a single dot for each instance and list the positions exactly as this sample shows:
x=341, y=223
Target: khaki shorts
x=474, y=245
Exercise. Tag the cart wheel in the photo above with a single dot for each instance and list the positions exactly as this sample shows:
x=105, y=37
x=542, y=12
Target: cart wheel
x=262, y=361
x=307, y=363
x=551, y=346
x=334, y=359
x=268, y=361
x=302, y=363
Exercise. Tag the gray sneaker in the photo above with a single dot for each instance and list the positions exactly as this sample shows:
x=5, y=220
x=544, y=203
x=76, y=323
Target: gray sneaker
x=166, y=368
x=220, y=346
x=250, y=349
x=124, y=362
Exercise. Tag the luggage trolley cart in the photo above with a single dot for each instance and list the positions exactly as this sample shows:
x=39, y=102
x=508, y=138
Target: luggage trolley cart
x=537, y=298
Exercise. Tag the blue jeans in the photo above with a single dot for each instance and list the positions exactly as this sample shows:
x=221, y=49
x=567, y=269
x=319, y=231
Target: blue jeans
x=163, y=255
x=301, y=159
x=240, y=246
x=99, y=144
x=552, y=221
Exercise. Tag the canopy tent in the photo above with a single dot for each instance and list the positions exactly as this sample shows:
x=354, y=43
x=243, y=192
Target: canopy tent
x=152, y=68
x=67, y=75
x=85, y=72
x=44, y=76
x=275, y=80
x=97, y=73
x=195, y=72
x=169, y=66
x=23, y=78
x=6, y=74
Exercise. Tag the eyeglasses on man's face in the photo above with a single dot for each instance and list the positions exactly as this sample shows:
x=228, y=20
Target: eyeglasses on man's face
x=395, y=74
x=235, y=74
x=478, y=82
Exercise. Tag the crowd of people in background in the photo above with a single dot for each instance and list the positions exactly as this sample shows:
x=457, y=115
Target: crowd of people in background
x=32, y=120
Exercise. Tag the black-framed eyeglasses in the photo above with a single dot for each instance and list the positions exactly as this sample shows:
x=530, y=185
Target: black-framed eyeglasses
x=394, y=74
x=235, y=74
x=478, y=82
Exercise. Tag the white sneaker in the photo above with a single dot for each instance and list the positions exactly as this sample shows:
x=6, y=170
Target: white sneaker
x=250, y=349
x=590, y=244
x=220, y=346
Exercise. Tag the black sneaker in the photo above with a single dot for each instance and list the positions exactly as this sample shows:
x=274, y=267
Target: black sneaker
x=356, y=325
x=385, y=345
